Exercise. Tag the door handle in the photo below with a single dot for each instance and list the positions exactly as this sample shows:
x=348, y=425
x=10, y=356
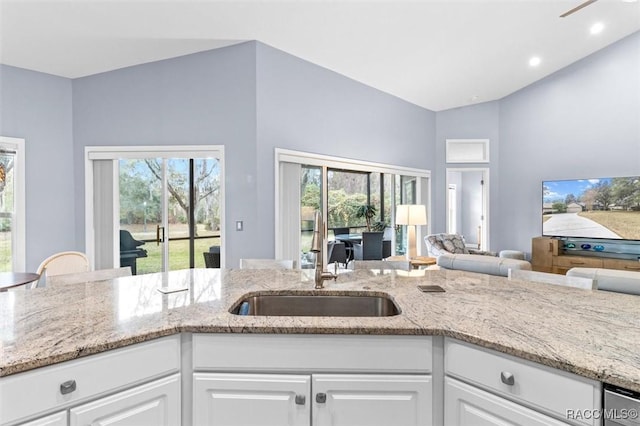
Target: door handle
x=321, y=398
x=300, y=399
x=158, y=239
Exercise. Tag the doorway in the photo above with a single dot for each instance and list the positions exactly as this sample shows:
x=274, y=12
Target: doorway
x=467, y=205
x=166, y=201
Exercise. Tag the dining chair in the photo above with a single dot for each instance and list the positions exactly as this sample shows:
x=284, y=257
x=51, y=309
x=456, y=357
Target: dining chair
x=340, y=231
x=370, y=248
x=89, y=276
x=337, y=252
x=66, y=262
x=555, y=279
x=266, y=264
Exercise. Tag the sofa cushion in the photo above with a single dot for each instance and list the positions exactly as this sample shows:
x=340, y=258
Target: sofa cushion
x=610, y=279
x=438, y=244
x=482, y=264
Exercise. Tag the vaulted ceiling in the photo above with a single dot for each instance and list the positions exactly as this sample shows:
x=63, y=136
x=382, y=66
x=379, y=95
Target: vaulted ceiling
x=438, y=54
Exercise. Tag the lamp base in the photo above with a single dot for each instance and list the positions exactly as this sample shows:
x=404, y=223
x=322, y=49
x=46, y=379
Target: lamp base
x=411, y=242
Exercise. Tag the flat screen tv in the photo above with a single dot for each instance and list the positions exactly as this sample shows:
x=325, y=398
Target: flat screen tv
x=607, y=208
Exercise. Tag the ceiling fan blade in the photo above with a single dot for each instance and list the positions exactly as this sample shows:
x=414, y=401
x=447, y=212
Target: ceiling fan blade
x=577, y=8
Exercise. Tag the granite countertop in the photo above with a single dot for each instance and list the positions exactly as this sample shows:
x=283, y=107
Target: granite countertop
x=591, y=333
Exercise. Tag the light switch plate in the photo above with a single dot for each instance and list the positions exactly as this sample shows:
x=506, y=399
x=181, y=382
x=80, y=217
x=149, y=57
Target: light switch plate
x=239, y=225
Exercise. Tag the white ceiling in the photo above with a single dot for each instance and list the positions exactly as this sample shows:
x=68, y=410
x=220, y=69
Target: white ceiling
x=438, y=54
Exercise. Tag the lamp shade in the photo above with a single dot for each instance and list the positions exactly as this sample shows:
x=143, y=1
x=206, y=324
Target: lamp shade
x=411, y=214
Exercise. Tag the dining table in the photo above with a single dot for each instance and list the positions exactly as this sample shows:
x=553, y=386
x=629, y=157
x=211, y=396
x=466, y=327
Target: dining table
x=15, y=279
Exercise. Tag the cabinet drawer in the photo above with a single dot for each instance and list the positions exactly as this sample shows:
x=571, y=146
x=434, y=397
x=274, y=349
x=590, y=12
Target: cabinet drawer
x=93, y=375
x=540, y=387
x=319, y=353
x=625, y=265
x=577, y=261
x=468, y=405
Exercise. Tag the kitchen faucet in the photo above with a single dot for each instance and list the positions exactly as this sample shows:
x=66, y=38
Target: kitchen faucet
x=317, y=246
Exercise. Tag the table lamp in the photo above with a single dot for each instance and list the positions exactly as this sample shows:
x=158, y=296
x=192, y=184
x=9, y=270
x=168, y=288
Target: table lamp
x=411, y=215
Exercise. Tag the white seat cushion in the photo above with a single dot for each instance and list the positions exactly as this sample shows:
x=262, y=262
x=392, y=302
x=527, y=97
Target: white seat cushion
x=610, y=279
x=482, y=264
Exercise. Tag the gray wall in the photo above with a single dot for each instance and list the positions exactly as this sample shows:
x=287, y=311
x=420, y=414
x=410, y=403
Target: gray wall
x=37, y=108
x=581, y=122
x=206, y=98
x=475, y=122
x=304, y=107
x=250, y=98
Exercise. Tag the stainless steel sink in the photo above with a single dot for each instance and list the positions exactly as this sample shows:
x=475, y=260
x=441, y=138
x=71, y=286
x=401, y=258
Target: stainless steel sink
x=317, y=305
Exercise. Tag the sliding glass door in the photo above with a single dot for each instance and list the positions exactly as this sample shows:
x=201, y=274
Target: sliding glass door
x=154, y=208
x=172, y=206
x=311, y=182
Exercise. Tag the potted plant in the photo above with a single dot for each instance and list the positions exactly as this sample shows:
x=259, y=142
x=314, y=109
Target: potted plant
x=379, y=226
x=368, y=212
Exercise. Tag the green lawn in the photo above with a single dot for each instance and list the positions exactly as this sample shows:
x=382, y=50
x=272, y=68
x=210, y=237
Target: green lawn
x=5, y=251
x=178, y=255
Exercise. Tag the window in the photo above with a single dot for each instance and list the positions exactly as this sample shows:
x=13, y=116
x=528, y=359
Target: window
x=309, y=182
x=12, y=205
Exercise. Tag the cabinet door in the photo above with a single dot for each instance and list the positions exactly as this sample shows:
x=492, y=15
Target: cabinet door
x=542, y=251
x=57, y=419
x=251, y=399
x=152, y=404
x=371, y=400
x=465, y=405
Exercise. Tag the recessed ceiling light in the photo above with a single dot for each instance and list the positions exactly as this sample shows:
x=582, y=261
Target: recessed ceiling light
x=629, y=1
x=597, y=28
x=535, y=61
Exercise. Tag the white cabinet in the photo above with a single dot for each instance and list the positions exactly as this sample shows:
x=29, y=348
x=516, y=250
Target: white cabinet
x=467, y=405
x=152, y=404
x=510, y=384
x=371, y=400
x=316, y=399
x=56, y=419
x=251, y=399
x=68, y=384
x=348, y=380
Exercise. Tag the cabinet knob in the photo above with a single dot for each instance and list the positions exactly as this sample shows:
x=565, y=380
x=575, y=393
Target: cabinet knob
x=507, y=378
x=301, y=399
x=321, y=398
x=68, y=387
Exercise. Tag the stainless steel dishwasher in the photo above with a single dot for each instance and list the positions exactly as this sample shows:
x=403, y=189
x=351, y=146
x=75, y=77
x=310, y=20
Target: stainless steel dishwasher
x=621, y=407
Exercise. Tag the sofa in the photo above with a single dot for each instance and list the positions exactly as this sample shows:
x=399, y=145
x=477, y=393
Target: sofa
x=443, y=243
x=610, y=279
x=483, y=264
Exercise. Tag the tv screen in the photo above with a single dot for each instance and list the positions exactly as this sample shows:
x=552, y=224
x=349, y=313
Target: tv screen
x=592, y=208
